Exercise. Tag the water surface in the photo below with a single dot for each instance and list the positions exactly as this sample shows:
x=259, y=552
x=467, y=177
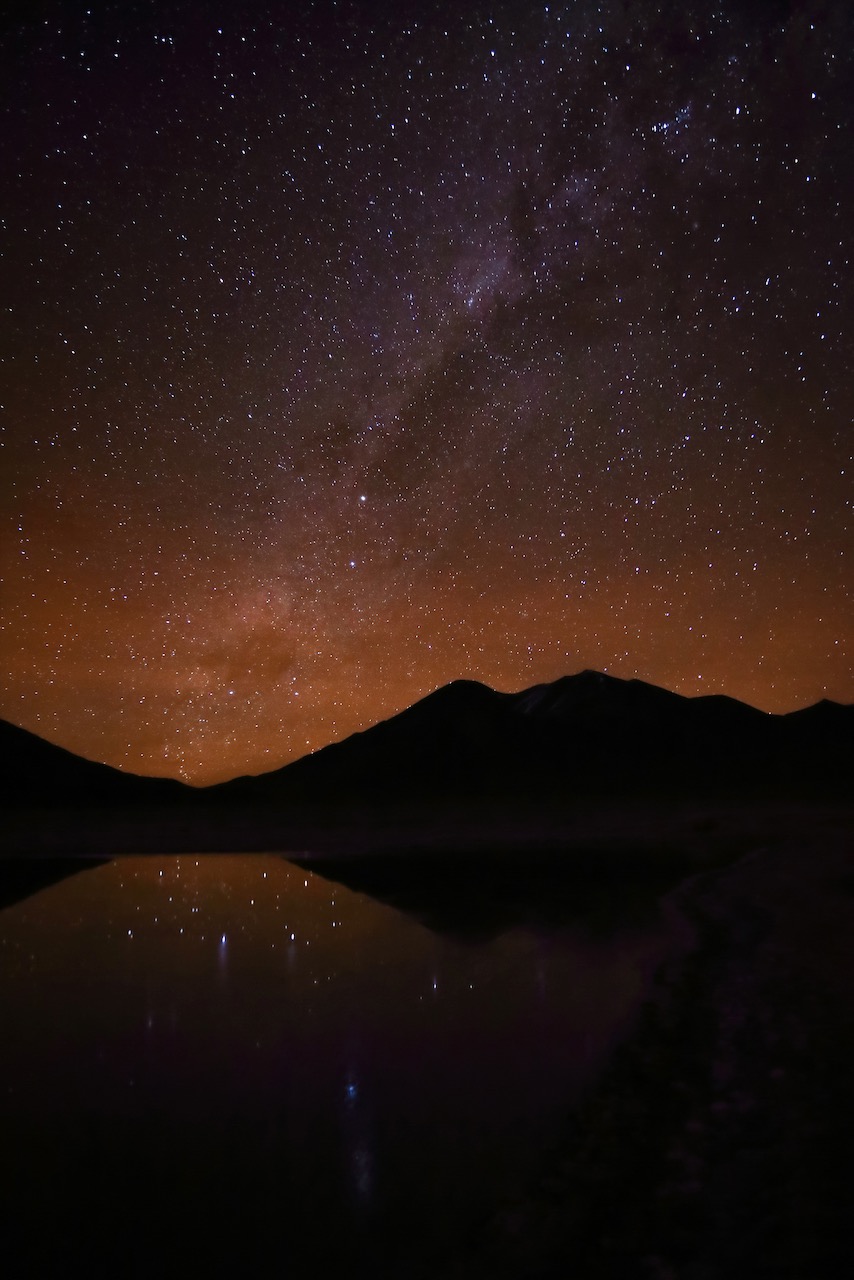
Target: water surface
x=237, y=1059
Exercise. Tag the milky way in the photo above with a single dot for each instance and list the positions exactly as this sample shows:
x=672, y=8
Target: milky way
x=351, y=348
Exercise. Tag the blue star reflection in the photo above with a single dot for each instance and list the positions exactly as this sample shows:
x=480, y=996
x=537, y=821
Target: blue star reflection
x=359, y=1141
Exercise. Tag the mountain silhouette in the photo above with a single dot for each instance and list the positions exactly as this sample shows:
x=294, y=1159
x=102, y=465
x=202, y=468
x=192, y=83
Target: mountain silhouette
x=39, y=774
x=583, y=737
x=587, y=735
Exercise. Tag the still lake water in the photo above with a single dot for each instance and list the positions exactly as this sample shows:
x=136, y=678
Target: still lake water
x=234, y=1060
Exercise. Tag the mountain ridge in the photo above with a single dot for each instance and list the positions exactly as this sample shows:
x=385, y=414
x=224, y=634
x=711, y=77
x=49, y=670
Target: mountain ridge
x=584, y=734
x=36, y=771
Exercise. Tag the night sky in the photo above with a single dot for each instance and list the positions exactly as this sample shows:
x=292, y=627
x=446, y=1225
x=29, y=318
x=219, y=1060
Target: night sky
x=351, y=348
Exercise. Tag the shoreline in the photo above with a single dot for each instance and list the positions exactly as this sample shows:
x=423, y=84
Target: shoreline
x=701, y=829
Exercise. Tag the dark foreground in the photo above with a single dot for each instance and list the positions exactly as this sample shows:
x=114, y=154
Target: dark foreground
x=718, y=1141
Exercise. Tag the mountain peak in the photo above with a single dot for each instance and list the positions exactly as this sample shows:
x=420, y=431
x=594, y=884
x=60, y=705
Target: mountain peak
x=589, y=690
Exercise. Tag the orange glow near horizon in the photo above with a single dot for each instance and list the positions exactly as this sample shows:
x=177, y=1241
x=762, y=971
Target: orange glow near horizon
x=227, y=685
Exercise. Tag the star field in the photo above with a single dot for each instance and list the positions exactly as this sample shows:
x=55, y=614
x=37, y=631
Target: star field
x=348, y=349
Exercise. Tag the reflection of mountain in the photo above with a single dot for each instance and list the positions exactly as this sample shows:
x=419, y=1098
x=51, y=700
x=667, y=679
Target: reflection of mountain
x=584, y=735
x=476, y=895
x=22, y=877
